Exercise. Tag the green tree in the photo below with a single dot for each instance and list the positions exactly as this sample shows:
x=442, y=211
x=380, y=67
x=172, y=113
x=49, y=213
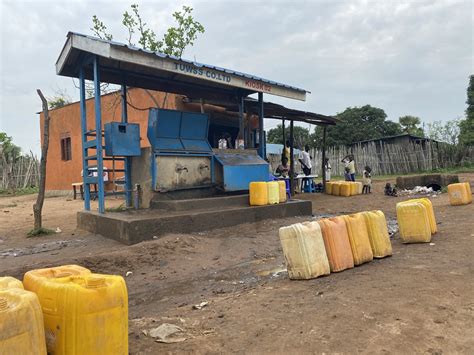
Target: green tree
x=466, y=126
x=444, y=131
x=301, y=136
x=9, y=151
x=357, y=124
x=174, y=40
x=410, y=125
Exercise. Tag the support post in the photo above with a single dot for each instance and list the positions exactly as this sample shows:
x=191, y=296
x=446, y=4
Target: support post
x=128, y=160
x=98, y=131
x=261, y=143
x=82, y=93
x=323, y=173
x=283, y=132
x=241, y=120
x=292, y=161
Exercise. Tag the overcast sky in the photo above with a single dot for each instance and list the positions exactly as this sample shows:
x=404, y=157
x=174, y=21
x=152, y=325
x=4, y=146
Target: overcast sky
x=407, y=57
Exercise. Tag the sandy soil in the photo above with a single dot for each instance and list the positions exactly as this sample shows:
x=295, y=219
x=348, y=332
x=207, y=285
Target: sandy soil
x=420, y=300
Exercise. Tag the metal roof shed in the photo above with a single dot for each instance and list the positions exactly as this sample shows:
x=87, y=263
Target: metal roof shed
x=90, y=58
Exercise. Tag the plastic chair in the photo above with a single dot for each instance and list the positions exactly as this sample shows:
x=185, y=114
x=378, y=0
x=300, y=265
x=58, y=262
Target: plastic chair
x=308, y=185
x=288, y=189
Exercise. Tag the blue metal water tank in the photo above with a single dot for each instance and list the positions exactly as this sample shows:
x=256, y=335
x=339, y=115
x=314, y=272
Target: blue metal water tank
x=122, y=139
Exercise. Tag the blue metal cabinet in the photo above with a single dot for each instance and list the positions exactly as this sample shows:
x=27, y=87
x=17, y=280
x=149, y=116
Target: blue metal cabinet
x=122, y=139
x=235, y=171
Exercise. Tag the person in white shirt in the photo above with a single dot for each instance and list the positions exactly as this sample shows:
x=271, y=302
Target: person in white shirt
x=305, y=160
x=327, y=167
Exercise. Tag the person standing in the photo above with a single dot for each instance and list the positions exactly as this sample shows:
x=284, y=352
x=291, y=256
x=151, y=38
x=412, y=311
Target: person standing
x=327, y=168
x=349, y=169
x=305, y=160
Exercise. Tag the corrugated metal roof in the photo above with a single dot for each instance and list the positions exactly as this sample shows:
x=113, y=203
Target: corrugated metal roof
x=208, y=66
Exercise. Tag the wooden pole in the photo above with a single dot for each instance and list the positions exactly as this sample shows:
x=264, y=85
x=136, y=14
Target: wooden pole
x=323, y=158
x=38, y=206
x=292, y=161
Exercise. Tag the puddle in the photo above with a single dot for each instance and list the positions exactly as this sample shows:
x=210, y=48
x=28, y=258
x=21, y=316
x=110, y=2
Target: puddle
x=40, y=248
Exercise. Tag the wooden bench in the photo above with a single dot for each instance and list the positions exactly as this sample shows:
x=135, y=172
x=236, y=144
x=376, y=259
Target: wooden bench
x=75, y=185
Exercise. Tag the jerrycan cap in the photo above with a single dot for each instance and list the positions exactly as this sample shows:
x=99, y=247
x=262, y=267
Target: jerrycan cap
x=95, y=281
x=3, y=303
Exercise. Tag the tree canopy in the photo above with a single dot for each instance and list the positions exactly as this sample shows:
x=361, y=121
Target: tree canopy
x=447, y=132
x=301, y=136
x=174, y=40
x=357, y=124
x=466, y=134
x=410, y=125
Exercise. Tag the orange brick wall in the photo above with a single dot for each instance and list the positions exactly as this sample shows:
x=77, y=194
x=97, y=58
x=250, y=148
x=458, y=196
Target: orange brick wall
x=66, y=121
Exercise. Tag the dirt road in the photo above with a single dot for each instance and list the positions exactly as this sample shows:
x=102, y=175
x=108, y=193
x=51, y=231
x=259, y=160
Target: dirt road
x=420, y=300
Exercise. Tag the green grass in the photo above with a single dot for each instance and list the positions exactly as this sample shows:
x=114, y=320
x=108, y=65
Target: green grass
x=120, y=208
x=19, y=192
x=39, y=232
x=11, y=205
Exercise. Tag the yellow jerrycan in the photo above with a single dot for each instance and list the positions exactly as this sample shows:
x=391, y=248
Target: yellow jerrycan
x=358, y=238
x=359, y=187
x=8, y=282
x=304, y=251
x=413, y=222
x=336, y=188
x=458, y=194
x=328, y=188
x=21, y=320
x=354, y=188
x=273, y=192
x=258, y=193
x=429, y=208
x=378, y=233
x=84, y=313
x=282, y=191
x=345, y=189
x=469, y=193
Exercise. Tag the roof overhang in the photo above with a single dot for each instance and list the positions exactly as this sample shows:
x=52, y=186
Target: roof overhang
x=274, y=111
x=124, y=64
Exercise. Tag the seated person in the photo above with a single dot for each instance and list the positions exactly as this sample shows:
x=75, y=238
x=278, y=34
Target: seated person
x=283, y=169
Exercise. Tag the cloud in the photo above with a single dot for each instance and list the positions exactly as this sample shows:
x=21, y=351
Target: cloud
x=407, y=57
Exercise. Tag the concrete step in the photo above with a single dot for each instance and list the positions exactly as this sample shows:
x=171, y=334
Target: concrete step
x=132, y=227
x=201, y=203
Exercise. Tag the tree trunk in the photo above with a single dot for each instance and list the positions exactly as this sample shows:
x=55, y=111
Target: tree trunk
x=38, y=206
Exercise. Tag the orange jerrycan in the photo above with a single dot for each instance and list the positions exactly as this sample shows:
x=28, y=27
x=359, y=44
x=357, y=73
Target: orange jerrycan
x=8, y=282
x=273, y=192
x=304, y=251
x=413, y=222
x=258, y=193
x=21, y=320
x=345, y=189
x=458, y=194
x=84, y=313
x=429, y=208
x=378, y=233
x=358, y=238
x=282, y=191
x=336, y=241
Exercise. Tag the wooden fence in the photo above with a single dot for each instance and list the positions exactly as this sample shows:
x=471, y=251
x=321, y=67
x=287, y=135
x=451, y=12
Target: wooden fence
x=19, y=173
x=389, y=159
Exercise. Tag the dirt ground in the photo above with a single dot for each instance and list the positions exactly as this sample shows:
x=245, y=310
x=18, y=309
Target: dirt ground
x=420, y=300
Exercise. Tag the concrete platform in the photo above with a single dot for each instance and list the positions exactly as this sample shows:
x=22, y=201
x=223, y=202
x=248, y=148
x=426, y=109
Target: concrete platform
x=185, y=216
